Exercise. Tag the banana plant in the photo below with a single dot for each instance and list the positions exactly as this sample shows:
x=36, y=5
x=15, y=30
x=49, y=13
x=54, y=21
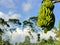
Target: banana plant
x=46, y=18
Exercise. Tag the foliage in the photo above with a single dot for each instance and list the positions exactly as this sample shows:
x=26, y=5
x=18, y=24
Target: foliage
x=15, y=21
x=4, y=25
x=27, y=23
x=46, y=18
x=38, y=35
x=59, y=25
x=32, y=22
x=3, y=22
x=50, y=41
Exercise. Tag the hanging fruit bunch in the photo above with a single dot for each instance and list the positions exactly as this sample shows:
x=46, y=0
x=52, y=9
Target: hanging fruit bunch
x=46, y=18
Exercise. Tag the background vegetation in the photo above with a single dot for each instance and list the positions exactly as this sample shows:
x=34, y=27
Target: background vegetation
x=31, y=22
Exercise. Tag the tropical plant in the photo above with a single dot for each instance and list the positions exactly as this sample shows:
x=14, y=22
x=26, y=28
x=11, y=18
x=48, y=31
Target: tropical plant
x=46, y=18
x=35, y=28
x=15, y=21
x=32, y=22
x=27, y=23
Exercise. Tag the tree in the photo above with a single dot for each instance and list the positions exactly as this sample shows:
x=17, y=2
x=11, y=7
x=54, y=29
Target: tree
x=34, y=19
x=34, y=26
x=50, y=40
x=15, y=21
x=43, y=42
x=1, y=42
x=27, y=23
x=3, y=22
x=55, y=28
x=38, y=35
x=58, y=32
x=46, y=18
x=9, y=25
x=27, y=40
x=59, y=25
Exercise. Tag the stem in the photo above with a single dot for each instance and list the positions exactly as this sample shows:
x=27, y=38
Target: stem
x=45, y=30
x=56, y=1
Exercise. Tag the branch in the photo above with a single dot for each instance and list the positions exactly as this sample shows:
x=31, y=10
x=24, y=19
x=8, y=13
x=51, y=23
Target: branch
x=55, y=1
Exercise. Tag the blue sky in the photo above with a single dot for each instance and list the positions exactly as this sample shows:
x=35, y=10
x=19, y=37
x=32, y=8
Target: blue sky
x=26, y=8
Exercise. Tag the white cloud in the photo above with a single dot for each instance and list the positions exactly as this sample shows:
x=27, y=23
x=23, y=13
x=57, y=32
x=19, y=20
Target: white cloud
x=47, y=35
x=14, y=16
x=10, y=15
x=7, y=3
x=26, y=7
x=30, y=4
x=19, y=35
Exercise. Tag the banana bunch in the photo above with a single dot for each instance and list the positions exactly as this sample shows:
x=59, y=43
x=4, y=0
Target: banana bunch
x=46, y=17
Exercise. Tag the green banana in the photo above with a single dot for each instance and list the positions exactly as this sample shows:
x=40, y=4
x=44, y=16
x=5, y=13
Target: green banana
x=46, y=18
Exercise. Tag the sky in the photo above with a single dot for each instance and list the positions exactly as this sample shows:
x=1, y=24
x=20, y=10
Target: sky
x=18, y=35
x=23, y=9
